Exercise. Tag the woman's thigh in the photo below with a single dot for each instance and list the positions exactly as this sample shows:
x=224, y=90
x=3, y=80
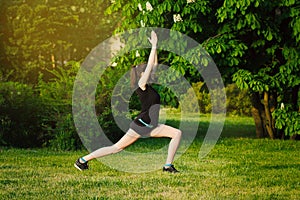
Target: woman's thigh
x=130, y=137
x=163, y=130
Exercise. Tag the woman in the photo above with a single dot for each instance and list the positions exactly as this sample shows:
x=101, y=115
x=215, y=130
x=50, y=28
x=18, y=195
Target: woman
x=146, y=123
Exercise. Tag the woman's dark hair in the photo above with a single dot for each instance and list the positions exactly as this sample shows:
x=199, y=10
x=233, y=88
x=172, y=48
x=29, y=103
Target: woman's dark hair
x=135, y=74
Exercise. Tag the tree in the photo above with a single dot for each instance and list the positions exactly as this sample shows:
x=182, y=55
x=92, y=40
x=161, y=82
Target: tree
x=254, y=43
x=271, y=32
x=38, y=36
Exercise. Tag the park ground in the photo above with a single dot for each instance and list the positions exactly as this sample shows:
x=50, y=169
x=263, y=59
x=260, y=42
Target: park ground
x=238, y=167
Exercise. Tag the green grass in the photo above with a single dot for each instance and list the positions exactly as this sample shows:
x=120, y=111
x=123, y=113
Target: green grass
x=236, y=168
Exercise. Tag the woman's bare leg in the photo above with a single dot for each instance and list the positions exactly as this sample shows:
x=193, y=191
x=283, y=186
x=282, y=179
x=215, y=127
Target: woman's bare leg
x=129, y=138
x=173, y=133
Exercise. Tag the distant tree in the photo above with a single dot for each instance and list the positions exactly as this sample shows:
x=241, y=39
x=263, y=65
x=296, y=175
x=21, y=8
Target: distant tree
x=37, y=36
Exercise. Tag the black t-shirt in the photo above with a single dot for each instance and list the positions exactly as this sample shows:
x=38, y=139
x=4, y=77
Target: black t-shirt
x=150, y=105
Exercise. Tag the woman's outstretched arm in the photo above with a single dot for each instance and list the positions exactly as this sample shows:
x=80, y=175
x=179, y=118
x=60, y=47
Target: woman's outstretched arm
x=152, y=60
x=154, y=68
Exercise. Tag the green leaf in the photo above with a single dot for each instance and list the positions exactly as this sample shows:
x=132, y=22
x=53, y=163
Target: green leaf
x=177, y=8
x=269, y=36
x=204, y=61
x=219, y=49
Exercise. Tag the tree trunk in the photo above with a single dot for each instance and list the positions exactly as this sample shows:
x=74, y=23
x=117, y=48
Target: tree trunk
x=257, y=111
x=258, y=122
x=269, y=122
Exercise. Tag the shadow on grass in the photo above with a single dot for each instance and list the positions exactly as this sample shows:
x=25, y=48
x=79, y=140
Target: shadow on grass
x=234, y=127
x=279, y=167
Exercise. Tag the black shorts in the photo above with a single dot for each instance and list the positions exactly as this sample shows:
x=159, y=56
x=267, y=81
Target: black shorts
x=144, y=131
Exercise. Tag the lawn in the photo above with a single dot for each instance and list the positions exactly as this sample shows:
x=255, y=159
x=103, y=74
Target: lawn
x=238, y=167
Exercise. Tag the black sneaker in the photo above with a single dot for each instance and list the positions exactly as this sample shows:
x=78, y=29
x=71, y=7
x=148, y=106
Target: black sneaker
x=170, y=169
x=81, y=166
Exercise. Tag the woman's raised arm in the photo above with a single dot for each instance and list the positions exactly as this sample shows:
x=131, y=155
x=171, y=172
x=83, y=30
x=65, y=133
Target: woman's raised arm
x=152, y=61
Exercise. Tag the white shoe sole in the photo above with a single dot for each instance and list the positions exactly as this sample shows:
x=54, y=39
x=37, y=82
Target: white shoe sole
x=77, y=167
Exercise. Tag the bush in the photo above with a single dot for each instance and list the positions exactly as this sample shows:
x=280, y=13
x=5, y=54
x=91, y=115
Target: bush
x=237, y=101
x=21, y=117
x=64, y=136
x=57, y=92
x=203, y=99
x=42, y=116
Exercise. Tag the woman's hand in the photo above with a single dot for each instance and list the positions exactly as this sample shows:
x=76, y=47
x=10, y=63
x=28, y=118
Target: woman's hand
x=153, y=39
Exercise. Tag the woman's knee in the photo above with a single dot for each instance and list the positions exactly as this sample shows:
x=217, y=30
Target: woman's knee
x=177, y=133
x=116, y=149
